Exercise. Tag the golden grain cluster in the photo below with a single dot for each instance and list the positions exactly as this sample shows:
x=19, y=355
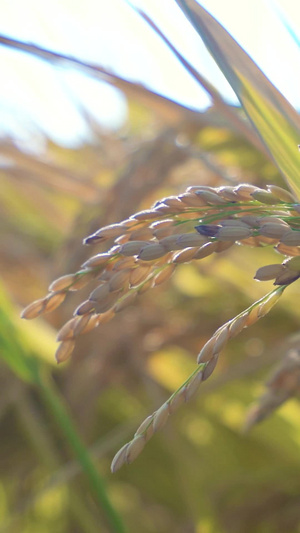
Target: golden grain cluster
x=147, y=247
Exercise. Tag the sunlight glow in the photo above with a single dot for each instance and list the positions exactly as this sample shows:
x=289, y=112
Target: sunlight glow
x=111, y=34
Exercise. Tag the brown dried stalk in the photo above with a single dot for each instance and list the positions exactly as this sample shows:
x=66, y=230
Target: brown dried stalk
x=281, y=386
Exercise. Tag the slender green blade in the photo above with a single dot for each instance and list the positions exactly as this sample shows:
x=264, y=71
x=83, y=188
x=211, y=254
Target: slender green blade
x=60, y=413
x=25, y=363
x=287, y=24
x=20, y=361
x=273, y=117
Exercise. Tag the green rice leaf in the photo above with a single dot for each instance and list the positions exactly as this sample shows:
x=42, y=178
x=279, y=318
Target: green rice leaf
x=273, y=117
x=21, y=362
x=220, y=104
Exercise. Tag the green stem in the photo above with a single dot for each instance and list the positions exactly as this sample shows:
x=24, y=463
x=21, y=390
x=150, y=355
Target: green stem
x=59, y=412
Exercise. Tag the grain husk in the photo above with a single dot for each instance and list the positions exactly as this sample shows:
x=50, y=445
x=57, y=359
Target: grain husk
x=64, y=351
x=152, y=251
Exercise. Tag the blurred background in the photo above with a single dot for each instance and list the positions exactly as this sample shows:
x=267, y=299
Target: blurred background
x=81, y=148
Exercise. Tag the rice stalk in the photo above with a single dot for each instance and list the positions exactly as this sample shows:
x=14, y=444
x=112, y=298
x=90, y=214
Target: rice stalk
x=207, y=361
x=147, y=248
x=283, y=384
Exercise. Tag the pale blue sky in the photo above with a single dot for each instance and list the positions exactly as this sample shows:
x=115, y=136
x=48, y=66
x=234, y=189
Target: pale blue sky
x=110, y=33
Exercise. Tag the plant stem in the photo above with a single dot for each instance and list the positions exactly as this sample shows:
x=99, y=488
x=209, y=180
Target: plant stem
x=59, y=412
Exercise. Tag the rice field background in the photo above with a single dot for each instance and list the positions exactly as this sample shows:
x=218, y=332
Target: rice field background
x=61, y=425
